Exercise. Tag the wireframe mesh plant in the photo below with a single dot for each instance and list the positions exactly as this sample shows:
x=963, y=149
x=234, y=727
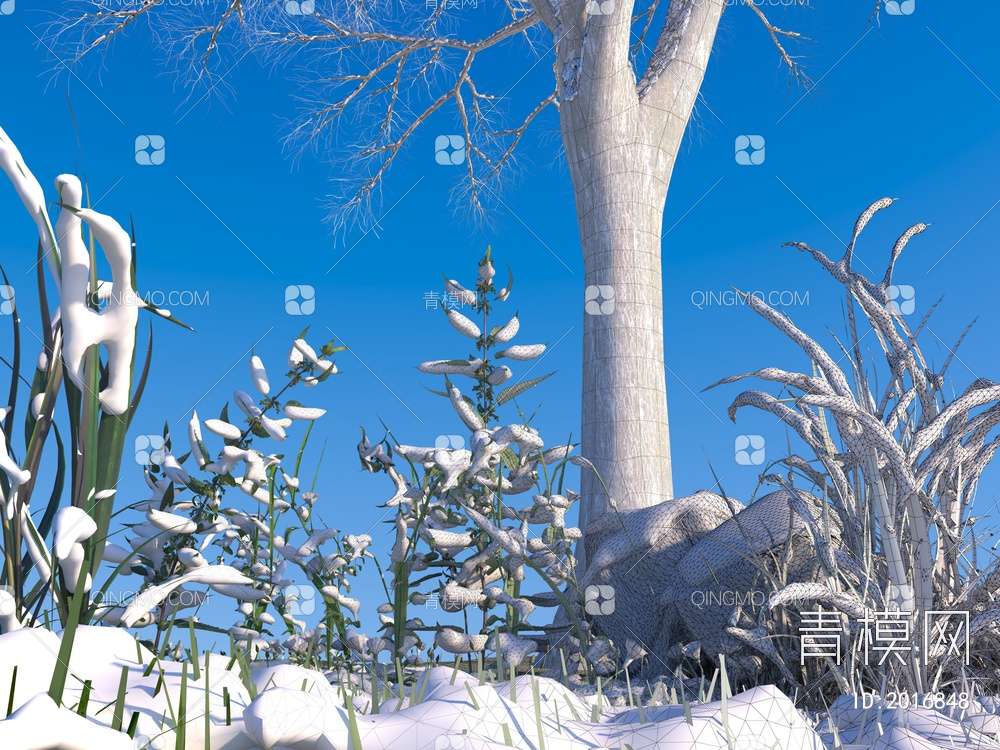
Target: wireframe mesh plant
x=455, y=503
x=902, y=486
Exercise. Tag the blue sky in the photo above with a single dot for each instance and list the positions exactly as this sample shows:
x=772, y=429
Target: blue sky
x=906, y=108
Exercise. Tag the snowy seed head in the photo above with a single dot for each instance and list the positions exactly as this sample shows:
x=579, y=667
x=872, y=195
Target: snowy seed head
x=463, y=325
x=522, y=353
x=451, y=367
x=472, y=419
x=194, y=439
x=305, y=413
x=223, y=429
x=306, y=351
x=171, y=522
x=508, y=331
x=246, y=404
x=500, y=375
x=463, y=295
x=272, y=428
x=191, y=557
x=486, y=272
x=259, y=376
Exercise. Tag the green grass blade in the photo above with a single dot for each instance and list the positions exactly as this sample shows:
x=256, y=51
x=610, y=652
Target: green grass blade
x=181, y=731
x=119, y=714
x=10, y=696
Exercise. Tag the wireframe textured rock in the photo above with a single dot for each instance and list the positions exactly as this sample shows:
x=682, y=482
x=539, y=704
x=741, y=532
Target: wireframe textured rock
x=682, y=571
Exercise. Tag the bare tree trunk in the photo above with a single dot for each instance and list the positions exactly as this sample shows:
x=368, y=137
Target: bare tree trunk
x=621, y=140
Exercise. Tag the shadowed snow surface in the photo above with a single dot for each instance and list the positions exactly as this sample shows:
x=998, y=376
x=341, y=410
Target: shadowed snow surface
x=298, y=709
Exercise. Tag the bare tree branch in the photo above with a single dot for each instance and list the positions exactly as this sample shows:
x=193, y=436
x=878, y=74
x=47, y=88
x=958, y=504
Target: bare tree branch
x=667, y=44
x=793, y=66
x=397, y=73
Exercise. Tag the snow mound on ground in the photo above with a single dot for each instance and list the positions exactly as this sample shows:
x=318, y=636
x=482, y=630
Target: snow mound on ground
x=298, y=709
x=912, y=728
x=39, y=725
x=152, y=691
x=467, y=715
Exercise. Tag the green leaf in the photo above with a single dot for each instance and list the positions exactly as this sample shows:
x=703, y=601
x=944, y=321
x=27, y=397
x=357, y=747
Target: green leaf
x=15, y=367
x=468, y=400
x=141, y=385
x=509, y=458
x=57, y=485
x=158, y=312
x=518, y=388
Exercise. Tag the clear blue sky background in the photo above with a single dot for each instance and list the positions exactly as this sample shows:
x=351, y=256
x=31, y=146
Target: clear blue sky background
x=905, y=109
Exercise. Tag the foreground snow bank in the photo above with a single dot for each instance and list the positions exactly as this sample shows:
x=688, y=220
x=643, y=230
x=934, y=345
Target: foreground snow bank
x=297, y=709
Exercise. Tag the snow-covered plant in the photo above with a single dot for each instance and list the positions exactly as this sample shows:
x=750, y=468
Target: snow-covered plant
x=191, y=526
x=900, y=485
x=459, y=540
x=101, y=396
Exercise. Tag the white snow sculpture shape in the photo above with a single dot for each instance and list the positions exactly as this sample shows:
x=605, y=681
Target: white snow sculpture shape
x=72, y=527
x=84, y=327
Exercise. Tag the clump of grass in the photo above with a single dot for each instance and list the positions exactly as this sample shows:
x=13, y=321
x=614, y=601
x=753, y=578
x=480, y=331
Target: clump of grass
x=897, y=469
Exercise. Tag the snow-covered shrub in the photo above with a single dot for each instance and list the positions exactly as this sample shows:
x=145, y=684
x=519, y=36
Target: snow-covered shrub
x=188, y=538
x=463, y=532
x=194, y=522
x=899, y=467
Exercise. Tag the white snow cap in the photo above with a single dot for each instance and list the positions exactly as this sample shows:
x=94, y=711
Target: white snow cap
x=302, y=412
x=32, y=196
x=218, y=577
x=84, y=327
x=9, y=620
x=259, y=376
x=194, y=438
x=15, y=473
x=223, y=429
x=72, y=526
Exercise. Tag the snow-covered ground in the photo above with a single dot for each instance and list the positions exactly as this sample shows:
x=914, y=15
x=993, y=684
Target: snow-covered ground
x=300, y=709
